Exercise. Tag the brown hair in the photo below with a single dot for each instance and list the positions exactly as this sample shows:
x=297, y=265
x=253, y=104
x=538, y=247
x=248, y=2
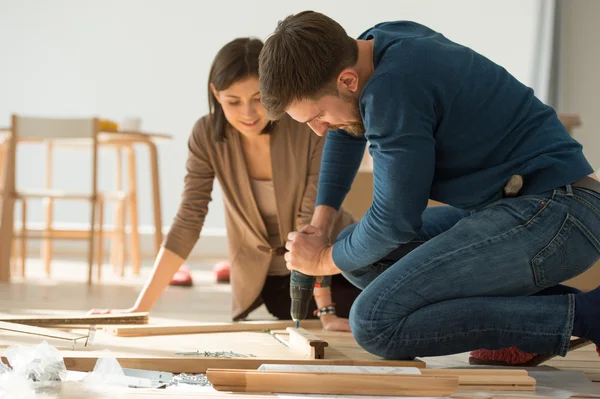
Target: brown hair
x=237, y=60
x=302, y=60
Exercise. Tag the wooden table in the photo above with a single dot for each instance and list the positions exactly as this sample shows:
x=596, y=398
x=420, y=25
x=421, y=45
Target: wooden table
x=122, y=139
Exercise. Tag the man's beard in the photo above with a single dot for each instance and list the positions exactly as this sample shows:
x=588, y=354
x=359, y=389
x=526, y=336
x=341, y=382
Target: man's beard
x=357, y=127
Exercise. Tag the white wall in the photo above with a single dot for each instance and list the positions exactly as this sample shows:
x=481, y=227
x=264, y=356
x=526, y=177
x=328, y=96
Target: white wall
x=150, y=58
x=579, y=79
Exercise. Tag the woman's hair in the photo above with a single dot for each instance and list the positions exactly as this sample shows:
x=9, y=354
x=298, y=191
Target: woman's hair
x=236, y=61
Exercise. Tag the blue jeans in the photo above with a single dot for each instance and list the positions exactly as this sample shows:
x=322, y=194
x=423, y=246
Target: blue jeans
x=469, y=279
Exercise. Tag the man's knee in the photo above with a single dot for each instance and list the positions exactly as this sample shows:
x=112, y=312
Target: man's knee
x=363, y=330
x=373, y=327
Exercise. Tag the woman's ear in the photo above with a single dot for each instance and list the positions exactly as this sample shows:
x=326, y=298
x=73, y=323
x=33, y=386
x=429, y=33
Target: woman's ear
x=215, y=93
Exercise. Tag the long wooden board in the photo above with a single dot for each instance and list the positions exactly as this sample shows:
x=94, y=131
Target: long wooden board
x=201, y=328
x=47, y=321
x=39, y=331
x=331, y=383
x=85, y=361
x=483, y=380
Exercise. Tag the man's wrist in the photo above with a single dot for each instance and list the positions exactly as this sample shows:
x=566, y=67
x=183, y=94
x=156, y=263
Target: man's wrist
x=327, y=264
x=323, y=217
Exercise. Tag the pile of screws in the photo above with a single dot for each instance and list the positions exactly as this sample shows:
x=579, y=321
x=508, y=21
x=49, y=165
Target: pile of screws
x=224, y=354
x=195, y=379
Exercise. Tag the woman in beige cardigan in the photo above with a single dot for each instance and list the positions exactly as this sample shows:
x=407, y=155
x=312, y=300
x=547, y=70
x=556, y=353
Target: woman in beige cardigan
x=268, y=174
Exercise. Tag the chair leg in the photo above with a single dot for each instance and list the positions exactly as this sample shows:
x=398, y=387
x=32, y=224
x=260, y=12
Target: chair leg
x=100, y=237
x=7, y=206
x=14, y=259
x=92, y=235
x=47, y=244
x=23, y=236
x=122, y=237
x=114, y=245
x=118, y=208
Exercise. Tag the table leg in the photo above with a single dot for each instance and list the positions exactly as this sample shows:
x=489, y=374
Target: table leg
x=158, y=237
x=133, y=212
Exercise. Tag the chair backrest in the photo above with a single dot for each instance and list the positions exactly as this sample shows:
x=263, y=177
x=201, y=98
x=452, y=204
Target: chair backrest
x=42, y=128
x=54, y=128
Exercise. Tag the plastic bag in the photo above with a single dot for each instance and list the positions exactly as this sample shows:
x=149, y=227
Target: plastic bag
x=41, y=363
x=108, y=372
x=3, y=367
x=16, y=386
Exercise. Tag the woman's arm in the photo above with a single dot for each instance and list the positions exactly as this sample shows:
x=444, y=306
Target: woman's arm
x=166, y=265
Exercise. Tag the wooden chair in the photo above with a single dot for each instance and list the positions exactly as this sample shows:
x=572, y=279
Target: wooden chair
x=119, y=196
x=49, y=129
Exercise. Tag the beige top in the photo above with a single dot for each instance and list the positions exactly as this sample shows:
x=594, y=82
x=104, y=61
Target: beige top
x=296, y=159
x=264, y=194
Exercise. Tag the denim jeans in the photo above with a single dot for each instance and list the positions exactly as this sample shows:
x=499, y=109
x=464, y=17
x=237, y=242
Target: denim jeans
x=469, y=280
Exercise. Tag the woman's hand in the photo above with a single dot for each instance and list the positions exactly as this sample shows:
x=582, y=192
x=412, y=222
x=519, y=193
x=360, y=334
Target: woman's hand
x=331, y=322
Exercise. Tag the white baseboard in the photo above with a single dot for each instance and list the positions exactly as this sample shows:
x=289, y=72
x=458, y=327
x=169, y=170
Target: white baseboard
x=212, y=242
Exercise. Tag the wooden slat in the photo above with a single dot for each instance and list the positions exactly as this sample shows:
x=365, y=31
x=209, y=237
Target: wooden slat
x=148, y=330
x=488, y=379
x=131, y=318
x=468, y=380
x=308, y=344
x=331, y=383
x=475, y=371
x=42, y=332
x=85, y=361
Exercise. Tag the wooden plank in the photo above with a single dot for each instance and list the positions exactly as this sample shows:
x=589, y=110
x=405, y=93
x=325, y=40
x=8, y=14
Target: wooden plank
x=468, y=380
x=131, y=318
x=308, y=344
x=201, y=328
x=85, y=361
x=477, y=371
x=331, y=383
x=39, y=331
x=488, y=379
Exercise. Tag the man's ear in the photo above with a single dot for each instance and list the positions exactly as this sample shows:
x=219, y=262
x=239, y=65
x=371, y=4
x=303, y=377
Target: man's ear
x=347, y=81
x=215, y=92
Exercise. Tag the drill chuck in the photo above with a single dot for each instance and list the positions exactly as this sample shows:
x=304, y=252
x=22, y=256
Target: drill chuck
x=301, y=292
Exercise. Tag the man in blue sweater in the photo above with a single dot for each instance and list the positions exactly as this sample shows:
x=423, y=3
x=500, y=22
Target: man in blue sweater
x=442, y=122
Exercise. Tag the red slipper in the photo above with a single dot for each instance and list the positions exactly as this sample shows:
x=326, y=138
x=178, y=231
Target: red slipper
x=514, y=357
x=221, y=271
x=183, y=277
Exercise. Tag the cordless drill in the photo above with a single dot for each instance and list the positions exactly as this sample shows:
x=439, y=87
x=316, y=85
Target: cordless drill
x=301, y=292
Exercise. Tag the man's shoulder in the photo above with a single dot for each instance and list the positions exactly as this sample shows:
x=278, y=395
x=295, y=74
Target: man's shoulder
x=399, y=28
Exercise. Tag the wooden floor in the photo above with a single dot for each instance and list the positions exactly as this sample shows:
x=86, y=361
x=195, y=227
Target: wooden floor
x=66, y=291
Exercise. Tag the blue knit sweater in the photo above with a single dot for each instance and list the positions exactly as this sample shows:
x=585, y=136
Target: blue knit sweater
x=442, y=122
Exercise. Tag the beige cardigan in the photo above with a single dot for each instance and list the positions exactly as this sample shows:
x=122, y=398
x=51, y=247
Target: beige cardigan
x=296, y=159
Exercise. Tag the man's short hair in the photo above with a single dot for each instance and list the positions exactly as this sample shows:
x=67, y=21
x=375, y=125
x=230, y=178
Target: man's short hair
x=302, y=59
